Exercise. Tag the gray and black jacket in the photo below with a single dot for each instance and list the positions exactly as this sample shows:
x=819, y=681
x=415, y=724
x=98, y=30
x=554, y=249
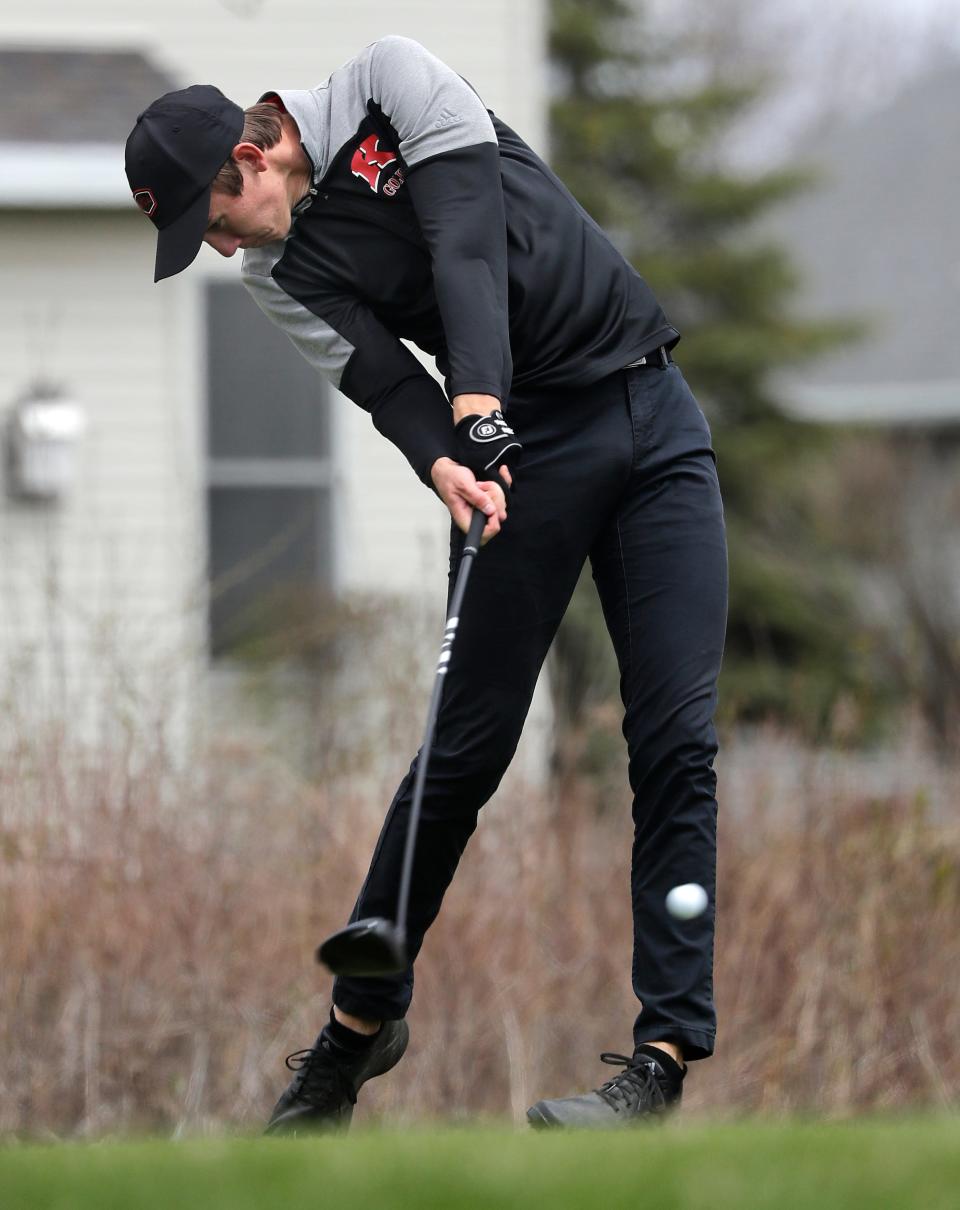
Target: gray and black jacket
x=430, y=220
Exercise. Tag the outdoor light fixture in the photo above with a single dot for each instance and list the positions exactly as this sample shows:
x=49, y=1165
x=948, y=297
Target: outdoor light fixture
x=43, y=436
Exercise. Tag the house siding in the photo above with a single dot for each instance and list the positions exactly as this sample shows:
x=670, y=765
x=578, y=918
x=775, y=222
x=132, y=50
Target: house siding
x=100, y=590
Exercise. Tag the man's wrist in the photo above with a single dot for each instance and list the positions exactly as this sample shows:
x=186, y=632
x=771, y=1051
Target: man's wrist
x=473, y=405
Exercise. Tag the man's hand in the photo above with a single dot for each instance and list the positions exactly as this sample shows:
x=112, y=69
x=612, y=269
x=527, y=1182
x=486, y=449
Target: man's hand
x=486, y=442
x=457, y=485
x=458, y=488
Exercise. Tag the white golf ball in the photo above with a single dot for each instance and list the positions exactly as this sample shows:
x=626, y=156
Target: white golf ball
x=687, y=901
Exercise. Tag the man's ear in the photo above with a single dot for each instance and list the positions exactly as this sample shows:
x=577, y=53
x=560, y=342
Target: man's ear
x=250, y=155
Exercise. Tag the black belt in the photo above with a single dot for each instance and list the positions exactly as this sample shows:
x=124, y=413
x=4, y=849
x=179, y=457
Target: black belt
x=659, y=357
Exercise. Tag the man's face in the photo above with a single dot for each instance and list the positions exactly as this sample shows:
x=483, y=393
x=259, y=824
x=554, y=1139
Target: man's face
x=260, y=215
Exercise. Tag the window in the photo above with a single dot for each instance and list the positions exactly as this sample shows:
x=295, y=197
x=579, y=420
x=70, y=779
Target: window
x=269, y=473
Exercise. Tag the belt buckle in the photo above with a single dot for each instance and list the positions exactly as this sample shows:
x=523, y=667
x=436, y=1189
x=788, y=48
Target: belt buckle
x=662, y=359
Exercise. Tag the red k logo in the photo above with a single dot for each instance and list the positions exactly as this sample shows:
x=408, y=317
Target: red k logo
x=369, y=161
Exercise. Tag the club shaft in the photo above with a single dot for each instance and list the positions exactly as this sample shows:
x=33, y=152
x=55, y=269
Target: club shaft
x=470, y=548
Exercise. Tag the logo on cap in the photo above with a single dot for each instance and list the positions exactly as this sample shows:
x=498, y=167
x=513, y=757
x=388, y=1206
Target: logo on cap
x=146, y=201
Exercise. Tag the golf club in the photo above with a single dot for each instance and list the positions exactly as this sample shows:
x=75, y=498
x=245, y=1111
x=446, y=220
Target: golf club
x=377, y=946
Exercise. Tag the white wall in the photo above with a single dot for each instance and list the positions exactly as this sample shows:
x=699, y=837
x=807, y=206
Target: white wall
x=96, y=591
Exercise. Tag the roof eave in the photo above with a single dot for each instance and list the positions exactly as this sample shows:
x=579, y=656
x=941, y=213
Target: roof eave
x=61, y=176
x=889, y=404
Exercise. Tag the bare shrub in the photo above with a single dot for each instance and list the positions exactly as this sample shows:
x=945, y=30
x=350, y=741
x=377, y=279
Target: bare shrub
x=157, y=930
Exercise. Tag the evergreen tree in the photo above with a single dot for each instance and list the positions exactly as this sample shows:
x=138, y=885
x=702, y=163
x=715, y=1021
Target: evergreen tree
x=640, y=154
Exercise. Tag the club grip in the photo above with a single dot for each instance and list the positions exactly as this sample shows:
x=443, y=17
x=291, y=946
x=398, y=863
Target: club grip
x=472, y=541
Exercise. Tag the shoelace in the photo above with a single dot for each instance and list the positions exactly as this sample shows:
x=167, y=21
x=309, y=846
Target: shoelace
x=634, y=1088
x=316, y=1075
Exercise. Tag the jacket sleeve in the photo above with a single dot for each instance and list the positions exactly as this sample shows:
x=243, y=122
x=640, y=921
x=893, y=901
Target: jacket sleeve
x=349, y=346
x=450, y=151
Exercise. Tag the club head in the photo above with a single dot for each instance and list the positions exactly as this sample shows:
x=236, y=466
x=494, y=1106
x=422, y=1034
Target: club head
x=366, y=948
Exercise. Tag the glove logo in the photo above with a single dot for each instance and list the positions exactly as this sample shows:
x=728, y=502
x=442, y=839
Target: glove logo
x=490, y=428
x=369, y=161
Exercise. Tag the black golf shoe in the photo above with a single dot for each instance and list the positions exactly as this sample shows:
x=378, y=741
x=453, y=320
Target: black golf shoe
x=322, y=1094
x=649, y=1087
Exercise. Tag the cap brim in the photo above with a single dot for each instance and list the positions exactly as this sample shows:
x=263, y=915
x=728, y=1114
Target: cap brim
x=178, y=244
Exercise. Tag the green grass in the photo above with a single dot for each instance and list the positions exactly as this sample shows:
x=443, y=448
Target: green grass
x=849, y=1165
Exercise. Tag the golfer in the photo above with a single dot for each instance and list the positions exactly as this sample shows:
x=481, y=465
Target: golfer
x=388, y=203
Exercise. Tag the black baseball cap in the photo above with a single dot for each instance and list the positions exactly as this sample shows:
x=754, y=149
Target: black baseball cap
x=177, y=147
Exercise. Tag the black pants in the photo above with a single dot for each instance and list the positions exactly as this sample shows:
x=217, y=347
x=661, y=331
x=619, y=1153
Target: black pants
x=622, y=473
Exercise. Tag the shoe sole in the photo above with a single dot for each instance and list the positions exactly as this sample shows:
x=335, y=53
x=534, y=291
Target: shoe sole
x=293, y=1124
x=539, y=1118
